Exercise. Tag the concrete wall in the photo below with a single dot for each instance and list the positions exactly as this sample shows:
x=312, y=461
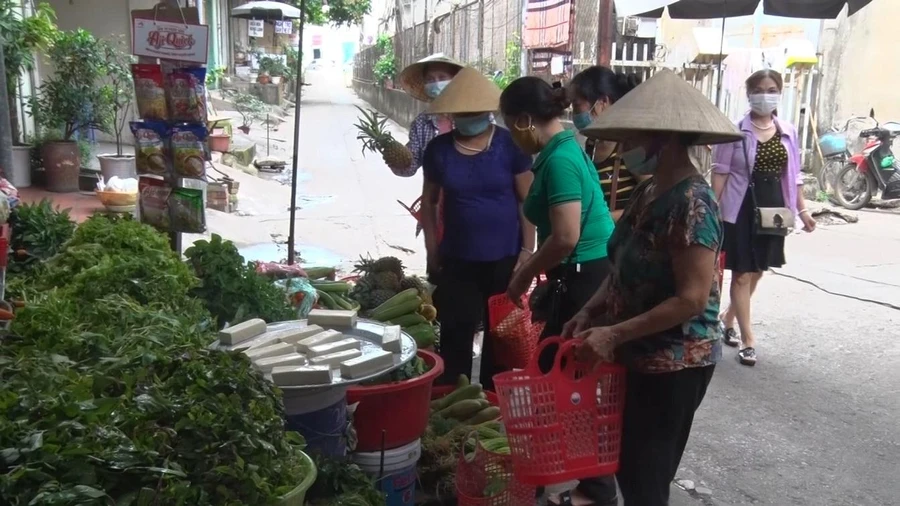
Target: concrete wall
x=394, y=104
x=859, y=70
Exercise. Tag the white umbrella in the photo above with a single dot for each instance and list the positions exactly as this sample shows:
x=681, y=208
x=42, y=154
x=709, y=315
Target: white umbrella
x=709, y=9
x=265, y=9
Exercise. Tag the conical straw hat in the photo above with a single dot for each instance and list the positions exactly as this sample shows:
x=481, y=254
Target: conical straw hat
x=664, y=103
x=468, y=92
x=412, y=78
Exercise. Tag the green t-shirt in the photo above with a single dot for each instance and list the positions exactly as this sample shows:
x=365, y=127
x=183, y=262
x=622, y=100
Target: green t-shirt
x=563, y=174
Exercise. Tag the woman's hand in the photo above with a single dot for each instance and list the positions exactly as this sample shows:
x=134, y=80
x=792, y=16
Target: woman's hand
x=578, y=324
x=524, y=255
x=809, y=223
x=518, y=285
x=599, y=344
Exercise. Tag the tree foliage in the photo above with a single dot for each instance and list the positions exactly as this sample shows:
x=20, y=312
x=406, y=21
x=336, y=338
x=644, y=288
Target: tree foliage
x=338, y=12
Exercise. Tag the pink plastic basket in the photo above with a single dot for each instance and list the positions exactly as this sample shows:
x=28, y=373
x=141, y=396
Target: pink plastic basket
x=566, y=424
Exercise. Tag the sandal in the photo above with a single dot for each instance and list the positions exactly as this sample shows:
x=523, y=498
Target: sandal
x=747, y=356
x=565, y=499
x=731, y=338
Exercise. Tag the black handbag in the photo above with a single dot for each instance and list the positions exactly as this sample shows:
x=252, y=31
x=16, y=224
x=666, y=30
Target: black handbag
x=546, y=299
x=767, y=220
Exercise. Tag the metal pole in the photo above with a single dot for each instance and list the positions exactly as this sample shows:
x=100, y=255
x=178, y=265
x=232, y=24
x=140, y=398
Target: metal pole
x=294, y=164
x=6, y=139
x=719, y=71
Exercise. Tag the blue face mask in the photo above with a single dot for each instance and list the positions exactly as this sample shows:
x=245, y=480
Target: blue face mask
x=472, y=125
x=582, y=120
x=638, y=163
x=435, y=89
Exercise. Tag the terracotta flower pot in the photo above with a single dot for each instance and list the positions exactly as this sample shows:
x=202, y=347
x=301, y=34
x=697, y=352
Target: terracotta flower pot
x=62, y=164
x=219, y=142
x=263, y=79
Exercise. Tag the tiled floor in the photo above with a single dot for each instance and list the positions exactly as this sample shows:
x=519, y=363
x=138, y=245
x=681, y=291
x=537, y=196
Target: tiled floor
x=81, y=205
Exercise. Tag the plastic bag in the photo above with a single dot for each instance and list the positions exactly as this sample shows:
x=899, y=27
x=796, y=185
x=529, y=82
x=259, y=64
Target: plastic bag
x=186, y=210
x=150, y=139
x=154, y=202
x=276, y=270
x=149, y=91
x=301, y=294
x=186, y=91
x=189, y=150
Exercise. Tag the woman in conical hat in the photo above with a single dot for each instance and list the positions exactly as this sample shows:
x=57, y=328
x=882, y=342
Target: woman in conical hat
x=424, y=81
x=484, y=178
x=657, y=312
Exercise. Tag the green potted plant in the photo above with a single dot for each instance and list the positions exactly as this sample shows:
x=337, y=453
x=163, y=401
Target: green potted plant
x=272, y=67
x=118, y=92
x=21, y=37
x=73, y=98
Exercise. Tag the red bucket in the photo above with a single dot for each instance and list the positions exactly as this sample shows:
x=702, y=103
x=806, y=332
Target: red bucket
x=400, y=410
x=564, y=425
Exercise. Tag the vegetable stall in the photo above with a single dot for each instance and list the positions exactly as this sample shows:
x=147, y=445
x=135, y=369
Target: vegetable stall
x=116, y=387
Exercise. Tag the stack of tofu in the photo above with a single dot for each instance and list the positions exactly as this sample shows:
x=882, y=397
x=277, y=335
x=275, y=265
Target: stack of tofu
x=309, y=355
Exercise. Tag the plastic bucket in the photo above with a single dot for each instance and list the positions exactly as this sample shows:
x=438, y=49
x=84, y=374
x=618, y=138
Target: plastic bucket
x=321, y=417
x=398, y=410
x=396, y=475
x=297, y=497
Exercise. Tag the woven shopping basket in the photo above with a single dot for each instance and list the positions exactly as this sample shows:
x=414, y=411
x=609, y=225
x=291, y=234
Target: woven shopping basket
x=514, y=335
x=566, y=424
x=485, y=478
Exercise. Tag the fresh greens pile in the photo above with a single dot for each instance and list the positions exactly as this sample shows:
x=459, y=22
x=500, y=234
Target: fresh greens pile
x=110, y=395
x=38, y=232
x=231, y=289
x=339, y=483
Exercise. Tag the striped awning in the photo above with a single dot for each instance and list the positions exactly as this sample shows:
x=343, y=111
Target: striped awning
x=548, y=24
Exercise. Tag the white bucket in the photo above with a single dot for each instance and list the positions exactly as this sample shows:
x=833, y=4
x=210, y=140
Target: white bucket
x=19, y=174
x=397, y=476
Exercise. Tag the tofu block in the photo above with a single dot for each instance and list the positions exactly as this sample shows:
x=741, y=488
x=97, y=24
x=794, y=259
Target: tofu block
x=329, y=348
x=294, y=336
x=332, y=318
x=367, y=364
x=266, y=339
x=390, y=339
x=267, y=364
x=302, y=375
x=328, y=336
x=334, y=360
x=273, y=350
x=242, y=331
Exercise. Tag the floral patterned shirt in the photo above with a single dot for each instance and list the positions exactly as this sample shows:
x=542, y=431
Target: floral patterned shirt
x=641, y=250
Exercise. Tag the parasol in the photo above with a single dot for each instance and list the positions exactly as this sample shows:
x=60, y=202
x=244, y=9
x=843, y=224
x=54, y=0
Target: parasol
x=265, y=10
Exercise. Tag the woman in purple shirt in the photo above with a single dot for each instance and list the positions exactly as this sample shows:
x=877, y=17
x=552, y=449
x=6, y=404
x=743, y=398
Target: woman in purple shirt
x=762, y=170
x=484, y=178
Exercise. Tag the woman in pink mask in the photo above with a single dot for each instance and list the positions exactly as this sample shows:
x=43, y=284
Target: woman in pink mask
x=759, y=186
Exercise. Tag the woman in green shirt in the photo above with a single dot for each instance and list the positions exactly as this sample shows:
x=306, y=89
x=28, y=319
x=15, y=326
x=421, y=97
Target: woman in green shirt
x=573, y=222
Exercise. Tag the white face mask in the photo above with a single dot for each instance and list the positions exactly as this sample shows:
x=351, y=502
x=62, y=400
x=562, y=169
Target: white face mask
x=764, y=103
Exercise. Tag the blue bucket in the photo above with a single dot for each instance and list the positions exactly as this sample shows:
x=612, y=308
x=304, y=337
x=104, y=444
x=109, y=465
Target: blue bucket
x=395, y=471
x=321, y=417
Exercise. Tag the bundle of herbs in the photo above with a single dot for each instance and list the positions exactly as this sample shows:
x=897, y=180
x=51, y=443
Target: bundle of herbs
x=38, y=232
x=230, y=287
x=110, y=395
x=340, y=483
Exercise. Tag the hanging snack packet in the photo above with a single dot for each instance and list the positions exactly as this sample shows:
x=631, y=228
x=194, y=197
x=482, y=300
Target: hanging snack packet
x=150, y=140
x=186, y=91
x=186, y=210
x=188, y=145
x=154, y=202
x=149, y=91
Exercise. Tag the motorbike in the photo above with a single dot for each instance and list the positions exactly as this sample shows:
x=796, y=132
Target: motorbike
x=835, y=154
x=870, y=171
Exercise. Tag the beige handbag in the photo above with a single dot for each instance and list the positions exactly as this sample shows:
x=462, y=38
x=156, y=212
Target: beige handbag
x=773, y=220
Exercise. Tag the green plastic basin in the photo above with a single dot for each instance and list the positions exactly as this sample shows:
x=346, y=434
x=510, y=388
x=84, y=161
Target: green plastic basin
x=297, y=497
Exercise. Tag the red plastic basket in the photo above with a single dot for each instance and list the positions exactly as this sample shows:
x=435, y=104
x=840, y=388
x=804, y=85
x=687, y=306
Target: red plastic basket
x=515, y=336
x=566, y=424
x=721, y=271
x=416, y=211
x=483, y=472
x=4, y=244
x=398, y=410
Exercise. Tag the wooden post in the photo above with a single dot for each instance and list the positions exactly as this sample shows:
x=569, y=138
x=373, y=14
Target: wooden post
x=606, y=32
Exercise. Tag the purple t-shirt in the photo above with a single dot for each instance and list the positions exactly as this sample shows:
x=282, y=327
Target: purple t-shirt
x=481, y=210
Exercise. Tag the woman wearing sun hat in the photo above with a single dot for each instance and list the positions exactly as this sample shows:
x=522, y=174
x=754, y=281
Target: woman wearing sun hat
x=484, y=178
x=424, y=81
x=657, y=312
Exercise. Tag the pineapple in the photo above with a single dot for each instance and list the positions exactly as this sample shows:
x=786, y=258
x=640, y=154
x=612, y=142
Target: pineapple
x=386, y=281
x=376, y=138
x=389, y=264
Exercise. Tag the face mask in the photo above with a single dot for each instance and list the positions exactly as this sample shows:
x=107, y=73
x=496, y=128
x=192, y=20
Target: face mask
x=526, y=138
x=764, y=103
x=582, y=120
x=435, y=89
x=638, y=163
x=472, y=125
